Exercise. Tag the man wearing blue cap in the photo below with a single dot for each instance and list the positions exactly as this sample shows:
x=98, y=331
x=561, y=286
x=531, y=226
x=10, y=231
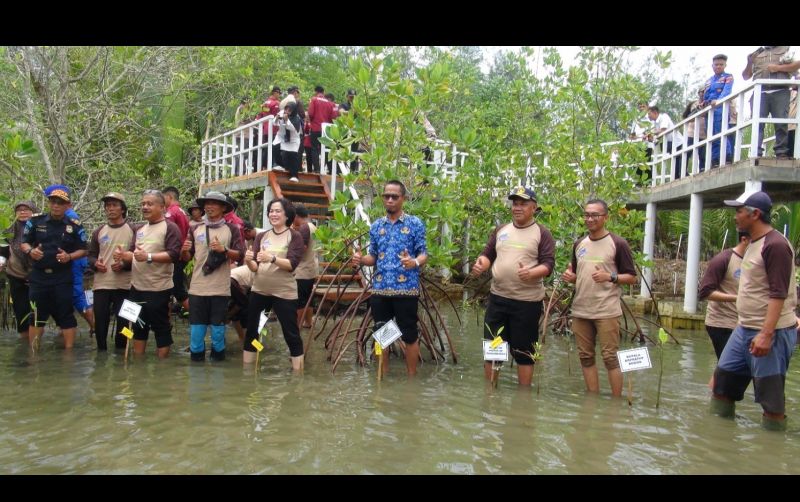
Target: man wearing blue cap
x=521, y=254
x=53, y=241
x=761, y=345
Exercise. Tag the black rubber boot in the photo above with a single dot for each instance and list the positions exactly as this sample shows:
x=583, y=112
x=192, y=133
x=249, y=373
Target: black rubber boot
x=199, y=356
x=217, y=356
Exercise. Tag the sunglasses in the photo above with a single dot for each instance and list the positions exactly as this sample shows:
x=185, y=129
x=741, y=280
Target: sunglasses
x=392, y=196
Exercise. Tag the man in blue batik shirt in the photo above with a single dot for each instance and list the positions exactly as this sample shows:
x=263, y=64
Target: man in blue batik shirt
x=397, y=249
x=717, y=87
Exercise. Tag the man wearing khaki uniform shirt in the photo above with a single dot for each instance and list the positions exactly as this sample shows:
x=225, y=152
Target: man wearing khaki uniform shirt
x=601, y=262
x=212, y=243
x=720, y=285
x=112, y=278
x=306, y=272
x=156, y=247
x=521, y=254
x=762, y=343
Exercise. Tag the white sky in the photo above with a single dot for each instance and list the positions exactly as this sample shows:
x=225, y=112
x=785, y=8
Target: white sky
x=681, y=59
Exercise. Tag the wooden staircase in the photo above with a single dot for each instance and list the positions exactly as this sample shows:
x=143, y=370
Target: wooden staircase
x=330, y=287
x=311, y=191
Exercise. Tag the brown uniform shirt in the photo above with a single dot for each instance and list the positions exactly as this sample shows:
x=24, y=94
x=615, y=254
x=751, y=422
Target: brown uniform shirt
x=767, y=272
x=309, y=264
x=763, y=58
x=19, y=264
x=104, y=241
x=244, y=276
x=155, y=238
x=218, y=282
x=722, y=275
x=509, y=246
x=599, y=300
x=271, y=280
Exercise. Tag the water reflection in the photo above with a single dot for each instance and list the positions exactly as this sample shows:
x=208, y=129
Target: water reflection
x=90, y=412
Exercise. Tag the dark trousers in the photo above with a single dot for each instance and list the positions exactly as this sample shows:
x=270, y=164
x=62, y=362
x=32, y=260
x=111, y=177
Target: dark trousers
x=179, y=282
x=18, y=289
x=107, y=303
x=404, y=311
x=286, y=310
x=291, y=161
x=154, y=315
x=775, y=104
x=315, y=151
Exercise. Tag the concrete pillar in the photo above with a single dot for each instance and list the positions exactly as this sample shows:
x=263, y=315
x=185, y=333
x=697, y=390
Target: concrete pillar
x=693, y=253
x=268, y=196
x=649, y=245
x=752, y=186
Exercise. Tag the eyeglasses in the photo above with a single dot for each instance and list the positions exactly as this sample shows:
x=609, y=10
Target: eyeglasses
x=593, y=216
x=392, y=196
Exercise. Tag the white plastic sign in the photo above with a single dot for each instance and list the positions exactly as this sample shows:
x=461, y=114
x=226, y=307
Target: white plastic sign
x=388, y=333
x=499, y=353
x=130, y=310
x=634, y=359
x=262, y=321
x=89, y=297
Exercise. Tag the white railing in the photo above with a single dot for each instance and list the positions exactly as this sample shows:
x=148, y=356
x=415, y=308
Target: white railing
x=238, y=152
x=663, y=163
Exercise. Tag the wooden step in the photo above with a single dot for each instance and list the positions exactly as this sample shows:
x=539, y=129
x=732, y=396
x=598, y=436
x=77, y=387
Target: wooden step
x=310, y=195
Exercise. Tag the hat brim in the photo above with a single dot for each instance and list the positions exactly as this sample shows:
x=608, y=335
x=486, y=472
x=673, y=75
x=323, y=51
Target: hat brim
x=59, y=197
x=520, y=197
x=733, y=203
x=228, y=205
x=108, y=197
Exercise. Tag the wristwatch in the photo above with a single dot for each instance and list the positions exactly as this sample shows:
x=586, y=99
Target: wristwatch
x=614, y=277
x=417, y=262
x=149, y=257
x=273, y=259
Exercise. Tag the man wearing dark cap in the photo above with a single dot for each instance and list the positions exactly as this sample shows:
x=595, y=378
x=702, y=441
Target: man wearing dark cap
x=601, y=262
x=761, y=345
x=717, y=87
x=521, y=254
x=18, y=266
x=398, y=249
x=195, y=214
x=212, y=243
x=112, y=278
x=53, y=241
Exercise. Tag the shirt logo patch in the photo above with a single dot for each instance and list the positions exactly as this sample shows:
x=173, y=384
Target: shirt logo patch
x=201, y=238
x=401, y=278
x=380, y=256
x=140, y=235
x=382, y=232
x=405, y=230
x=379, y=277
x=502, y=237
x=105, y=239
x=265, y=244
x=737, y=273
x=581, y=253
x=69, y=229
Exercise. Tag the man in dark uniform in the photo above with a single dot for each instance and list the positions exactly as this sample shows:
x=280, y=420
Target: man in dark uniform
x=53, y=241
